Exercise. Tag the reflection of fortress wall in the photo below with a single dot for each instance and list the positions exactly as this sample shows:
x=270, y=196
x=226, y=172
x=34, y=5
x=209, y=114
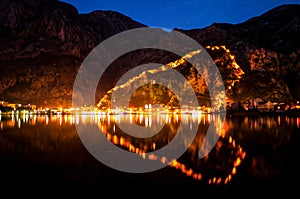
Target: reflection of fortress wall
x=211, y=173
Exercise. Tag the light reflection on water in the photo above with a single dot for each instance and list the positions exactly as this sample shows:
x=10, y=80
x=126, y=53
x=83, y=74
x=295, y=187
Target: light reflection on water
x=258, y=140
x=251, y=123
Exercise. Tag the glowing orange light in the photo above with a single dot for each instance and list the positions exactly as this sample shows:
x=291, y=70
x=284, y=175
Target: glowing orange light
x=153, y=146
x=230, y=139
x=115, y=139
x=237, y=162
x=233, y=170
x=163, y=160
x=131, y=148
x=219, y=180
x=122, y=141
x=152, y=157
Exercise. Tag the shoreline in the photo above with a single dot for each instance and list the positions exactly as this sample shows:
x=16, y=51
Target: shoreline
x=257, y=113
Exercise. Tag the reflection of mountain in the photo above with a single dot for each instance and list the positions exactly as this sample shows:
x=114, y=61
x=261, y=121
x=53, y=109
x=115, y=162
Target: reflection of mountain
x=43, y=43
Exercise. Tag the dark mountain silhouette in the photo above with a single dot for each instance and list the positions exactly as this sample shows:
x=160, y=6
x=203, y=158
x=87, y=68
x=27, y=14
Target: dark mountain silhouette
x=267, y=48
x=43, y=43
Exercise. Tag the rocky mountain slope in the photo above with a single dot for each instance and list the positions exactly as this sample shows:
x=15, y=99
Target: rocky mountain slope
x=43, y=43
x=267, y=48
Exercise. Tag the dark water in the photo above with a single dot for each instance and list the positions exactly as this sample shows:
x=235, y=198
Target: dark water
x=44, y=156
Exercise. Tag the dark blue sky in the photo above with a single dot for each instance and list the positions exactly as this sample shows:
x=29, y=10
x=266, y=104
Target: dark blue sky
x=185, y=14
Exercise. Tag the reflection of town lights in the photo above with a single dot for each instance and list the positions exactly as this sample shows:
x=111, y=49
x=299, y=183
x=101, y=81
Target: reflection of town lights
x=150, y=121
x=60, y=120
x=47, y=120
x=146, y=121
x=19, y=123
x=239, y=154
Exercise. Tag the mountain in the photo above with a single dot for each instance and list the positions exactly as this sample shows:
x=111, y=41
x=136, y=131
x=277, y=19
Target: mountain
x=266, y=47
x=44, y=42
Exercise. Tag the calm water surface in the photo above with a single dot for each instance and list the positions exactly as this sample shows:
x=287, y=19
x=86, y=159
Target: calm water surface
x=44, y=154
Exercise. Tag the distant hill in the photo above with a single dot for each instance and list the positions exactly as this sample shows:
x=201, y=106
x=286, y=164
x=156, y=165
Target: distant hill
x=43, y=43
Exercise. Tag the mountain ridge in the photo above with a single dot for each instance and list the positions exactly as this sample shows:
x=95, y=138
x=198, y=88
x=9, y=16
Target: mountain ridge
x=41, y=53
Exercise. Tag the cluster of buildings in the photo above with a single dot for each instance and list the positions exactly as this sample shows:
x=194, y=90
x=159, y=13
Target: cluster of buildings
x=17, y=108
x=12, y=108
x=254, y=104
x=263, y=106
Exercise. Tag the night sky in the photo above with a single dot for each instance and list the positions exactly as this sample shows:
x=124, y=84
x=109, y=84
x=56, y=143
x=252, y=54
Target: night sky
x=184, y=14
